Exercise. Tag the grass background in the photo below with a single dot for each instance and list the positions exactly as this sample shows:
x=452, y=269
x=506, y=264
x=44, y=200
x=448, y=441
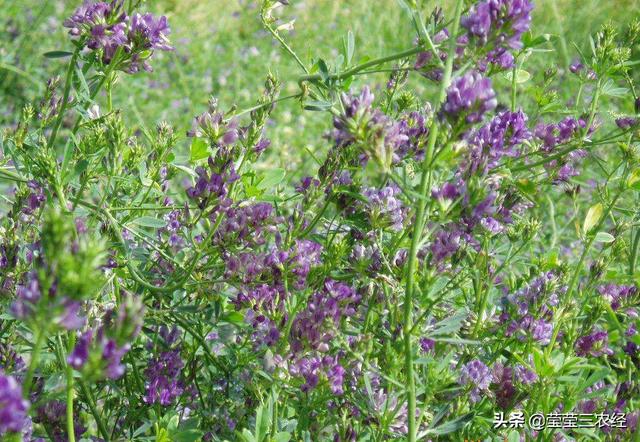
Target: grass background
x=222, y=51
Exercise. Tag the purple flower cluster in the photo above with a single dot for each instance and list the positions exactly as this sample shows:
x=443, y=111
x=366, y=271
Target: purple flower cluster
x=495, y=140
x=425, y=61
x=106, y=28
x=11, y=362
x=35, y=199
x=618, y=295
x=14, y=408
x=28, y=298
x=363, y=123
x=553, y=135
x=104, y=349
x=212, y=186
x=311, y=369
x=213, y=126
x=529, y=310
x=626, y=123
x=264, y=331
x=53, y=415
x=476, y=375
x=498, y=25
x=298, y=261
x=314, y=327
x=248, y=225
x=383, y=207
x=594, y=344
x=163, y=384
x=469, y=97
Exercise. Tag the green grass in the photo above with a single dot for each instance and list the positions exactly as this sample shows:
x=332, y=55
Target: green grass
x=222, y=51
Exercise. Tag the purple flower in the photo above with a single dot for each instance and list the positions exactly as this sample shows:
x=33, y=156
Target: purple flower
x=500, y=138
x=476, y=373
x=626, y=123
x=13, y=408
x=618, y=295
x=80, y=353
x=427, y=345
x=247, y=225
x=542, y=331
x=53, y=415
x=469, y=96
x=595, y=344
x=576, y=67
x=10, y=361
x=103, y=24
x=163, y=378
x=525, y=376
x=499, y=23
x=149, y=32
x=383, y=207
x=314, y=326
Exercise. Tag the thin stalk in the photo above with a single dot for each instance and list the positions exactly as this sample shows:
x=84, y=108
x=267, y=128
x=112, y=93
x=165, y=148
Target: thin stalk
x=282, y=42
x=578, y=269
x=369, y=64
x=514, y=86
x=94, y=411
x=41, y=336
x=425, y=183
x=65, y=98
x=634, y=251
x=69, y=370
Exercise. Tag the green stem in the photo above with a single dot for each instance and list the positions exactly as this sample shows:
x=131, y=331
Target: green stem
x=94, y=411
x=282, y=42
x=425, y=183
x=514, y=71
x=109, y=83
x=69, y=370
x=578, y=270
x=65, y=98
x=369, y=64
x=634, y=251
x=41, y=337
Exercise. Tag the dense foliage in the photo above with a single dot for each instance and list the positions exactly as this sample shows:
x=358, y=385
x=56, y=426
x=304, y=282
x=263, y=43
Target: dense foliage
x=453, y=257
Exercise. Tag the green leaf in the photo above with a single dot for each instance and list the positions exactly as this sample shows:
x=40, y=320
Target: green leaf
x=272, y=178
x=449, y=325
x=351, y=47
x=247, y=436
x=514, y=436
x=595, y=377
x=263, y=421
x=530, y=41
x=593, y=217
x=324, y=69
x=149, y=221
x=199, y=149
x=610, y=89
x=317, y=105
x=186, y=169
x=521, y=75
x=57, y=54
x=187, y=436
x=282, y=437
x=450, y=426
x=604, y=237
x=234, y=318
x=634, y=180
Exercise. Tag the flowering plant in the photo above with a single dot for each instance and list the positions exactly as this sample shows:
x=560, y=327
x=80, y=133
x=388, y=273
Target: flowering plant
x=451, y=256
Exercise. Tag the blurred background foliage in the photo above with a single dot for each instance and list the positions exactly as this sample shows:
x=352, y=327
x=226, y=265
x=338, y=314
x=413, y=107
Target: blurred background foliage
x=222, y=51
